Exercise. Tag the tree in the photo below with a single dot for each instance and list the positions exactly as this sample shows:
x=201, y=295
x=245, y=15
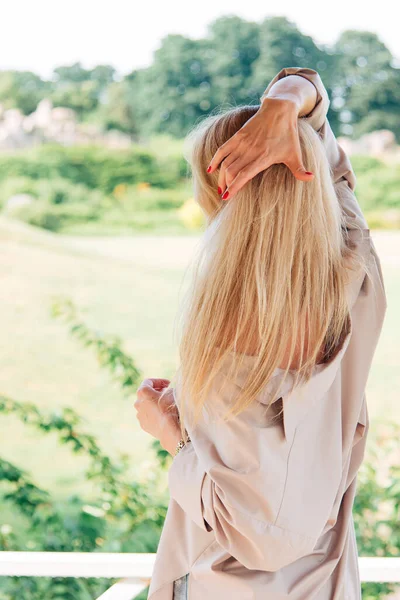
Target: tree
x=117, y=110
x=71, y=73
x=174, y=91
x=22, y=89
x=81, y=89
x=370, y=87
x=81, y=97
x=232, y=64
x=283, y=45
x=233, y=49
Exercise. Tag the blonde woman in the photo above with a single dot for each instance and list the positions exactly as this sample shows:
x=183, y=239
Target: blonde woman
x=267, y=421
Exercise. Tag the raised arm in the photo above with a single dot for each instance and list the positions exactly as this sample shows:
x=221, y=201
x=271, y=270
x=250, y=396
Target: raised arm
x=270, y=136
x=344, y=178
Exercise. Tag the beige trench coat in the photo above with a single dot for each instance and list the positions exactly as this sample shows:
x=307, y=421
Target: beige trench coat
x=264, y=512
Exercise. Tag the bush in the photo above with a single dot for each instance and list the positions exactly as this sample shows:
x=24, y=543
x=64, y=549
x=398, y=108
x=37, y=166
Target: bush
x=363, y=163
x=56, y=217
x=16, y=185
x=146, y=198
x=93, y=166
x=52, y=191
x=61, y=191
x=379, y=188
x=148, y=188
x=122, y=514
x=59, y=203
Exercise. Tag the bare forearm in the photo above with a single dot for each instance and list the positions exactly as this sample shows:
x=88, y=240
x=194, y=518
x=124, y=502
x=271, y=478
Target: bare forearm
x=296, y=89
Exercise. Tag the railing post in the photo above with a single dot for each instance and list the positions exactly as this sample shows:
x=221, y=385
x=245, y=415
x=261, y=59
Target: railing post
x=126, y=589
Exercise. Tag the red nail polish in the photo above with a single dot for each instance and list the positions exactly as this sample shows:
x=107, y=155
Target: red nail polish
x=308, y=172
x=219, y=190
x=208, y=169
x=224, y=197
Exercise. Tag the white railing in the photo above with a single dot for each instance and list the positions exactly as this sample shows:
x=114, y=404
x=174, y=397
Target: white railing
x=134, y=570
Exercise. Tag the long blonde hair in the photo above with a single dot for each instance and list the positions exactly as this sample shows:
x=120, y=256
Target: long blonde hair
x=272, y=267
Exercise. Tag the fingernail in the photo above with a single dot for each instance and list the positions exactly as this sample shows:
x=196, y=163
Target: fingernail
x=308, y=172
x=219, y=190
x=224, y=197
x=208, y=169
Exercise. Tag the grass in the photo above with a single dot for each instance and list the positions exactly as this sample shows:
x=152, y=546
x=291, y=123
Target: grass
x=129, y=286
x=42, y=364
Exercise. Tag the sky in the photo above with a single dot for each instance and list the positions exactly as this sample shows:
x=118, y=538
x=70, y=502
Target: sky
x=39, y=35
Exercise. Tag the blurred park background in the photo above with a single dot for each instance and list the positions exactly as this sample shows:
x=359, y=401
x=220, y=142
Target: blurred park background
x=97, y=226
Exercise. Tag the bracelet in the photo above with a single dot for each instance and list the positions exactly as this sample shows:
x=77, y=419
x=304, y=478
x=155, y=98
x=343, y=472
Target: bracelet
x=181, y=444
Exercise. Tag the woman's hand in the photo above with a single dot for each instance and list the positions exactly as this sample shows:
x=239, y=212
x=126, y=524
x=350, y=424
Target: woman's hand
x=158, y=417
x=269, y=137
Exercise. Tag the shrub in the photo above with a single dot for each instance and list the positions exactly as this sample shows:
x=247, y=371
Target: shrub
x=61, y=191
x=16, y=185
x=379, y=188
x=362, y=163
x=123, y=514
x=93, y=166
x=56, y=217
x=147, y=198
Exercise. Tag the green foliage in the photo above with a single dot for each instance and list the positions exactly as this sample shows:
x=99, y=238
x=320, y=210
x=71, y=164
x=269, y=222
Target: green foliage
x=120, y=515
x=108, y=349
x=56, y=204
x=61, y=191
x=116, y=196
x=141, y=198
x=282, y=45
x=377, y=502
x=369, y=82
x=80, y=97
x=78, y=186
x=56, y=217
x=60, y=203
x=380, y=188
x=81, y=89
x=119, y=221
x=118, y=111
x=121, y=518
x=363, y=164
x=235, y=46
x=22, y=90
x=12, y=186
x=95, y=167
x=231, y=64
x=107, y=474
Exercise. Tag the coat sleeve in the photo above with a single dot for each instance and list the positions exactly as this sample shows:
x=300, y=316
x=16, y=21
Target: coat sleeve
x=231, y=479
x=343, y=174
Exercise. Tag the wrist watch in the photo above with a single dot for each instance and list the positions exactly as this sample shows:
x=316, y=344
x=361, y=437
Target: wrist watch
x=181, y=444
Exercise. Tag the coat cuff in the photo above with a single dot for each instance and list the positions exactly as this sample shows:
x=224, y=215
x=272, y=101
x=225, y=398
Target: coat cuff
x=343, y=175
x=317, y=116
x=185, y=480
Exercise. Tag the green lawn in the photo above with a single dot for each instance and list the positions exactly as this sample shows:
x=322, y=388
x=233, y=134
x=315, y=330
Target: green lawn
x=128, y=286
